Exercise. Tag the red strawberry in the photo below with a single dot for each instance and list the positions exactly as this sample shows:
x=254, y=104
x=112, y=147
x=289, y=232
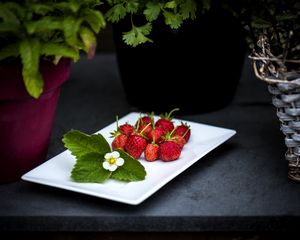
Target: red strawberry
x=145, y=120
x=126, y=129
x=179, y=140
x=165, y=121
x=151, y=152
x=169, y=151
x=145, y=128
x=119, y=138
x=135, y=145
x=183, y=130
x=155, y=135
x=119, y=142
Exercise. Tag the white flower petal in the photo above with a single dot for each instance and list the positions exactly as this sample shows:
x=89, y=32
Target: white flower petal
x=107, y=156
x=115, y=154
x=112, y=168
x=106, y=165
x=119, y=162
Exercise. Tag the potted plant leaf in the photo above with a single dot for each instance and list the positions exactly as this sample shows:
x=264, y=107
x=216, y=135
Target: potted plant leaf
x=38, y=40
x=274, y=36
x=184, y=42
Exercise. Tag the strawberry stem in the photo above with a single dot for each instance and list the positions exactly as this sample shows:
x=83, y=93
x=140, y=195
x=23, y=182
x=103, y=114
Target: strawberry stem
x=145, y=128
x=170, y=113
x=117, y=120
x=186, y=132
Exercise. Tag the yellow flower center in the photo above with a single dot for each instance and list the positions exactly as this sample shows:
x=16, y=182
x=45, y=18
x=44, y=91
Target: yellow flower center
x=112, y=160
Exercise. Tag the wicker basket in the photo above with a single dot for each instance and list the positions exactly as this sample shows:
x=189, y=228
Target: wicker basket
x=284, y=85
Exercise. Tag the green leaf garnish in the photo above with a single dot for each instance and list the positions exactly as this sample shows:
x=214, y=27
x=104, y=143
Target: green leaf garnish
x=132, y=170
x=80, y=143
x=90, y=151
x=88, y=168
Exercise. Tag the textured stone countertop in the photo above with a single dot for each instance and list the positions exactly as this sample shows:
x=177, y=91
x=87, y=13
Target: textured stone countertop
x=240, y=186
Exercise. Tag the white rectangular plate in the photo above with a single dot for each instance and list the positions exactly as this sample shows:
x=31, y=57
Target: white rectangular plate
x=56, y=171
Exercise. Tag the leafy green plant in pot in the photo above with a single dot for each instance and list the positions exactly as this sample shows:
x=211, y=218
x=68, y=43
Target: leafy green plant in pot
x=38, y=40
x=274, y=36
x=191, y=57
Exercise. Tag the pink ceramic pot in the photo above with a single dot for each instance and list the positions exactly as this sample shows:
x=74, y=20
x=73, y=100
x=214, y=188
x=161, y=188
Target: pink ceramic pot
x=25, y=123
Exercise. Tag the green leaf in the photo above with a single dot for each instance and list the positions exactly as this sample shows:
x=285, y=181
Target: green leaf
x=132, y=170
x=285, y=17
x=55, y=49
x=116, y=13
x=41, y=9
x=11, y=50
x=173, y=20
x=188, y=9
x=152, y=11
x=137, y=35
x=71, y=26
x=132, y=6
x=88, y=168
x=260, y=23
x=71, y=5
x=30, y=56
x=89, y=41
x=45, y=24
x=80, y=143
x=7, y=15
x=94, y=18
x=16, y=8
x=171, y=4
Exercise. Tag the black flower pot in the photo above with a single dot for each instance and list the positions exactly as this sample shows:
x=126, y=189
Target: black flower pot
x=195, y=68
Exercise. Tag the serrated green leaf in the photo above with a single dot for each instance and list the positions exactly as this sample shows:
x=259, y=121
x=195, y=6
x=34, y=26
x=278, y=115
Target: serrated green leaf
x=173, y=20
x=132, y=170
x=11, y=50
x=132, y=6
x=7, y=15
x=88, y=168
x=30, y=55
x=89, y=40
x=71, y=26
x=188, y=9
x=45, y=24
x=55, y=49
x=152, y=11
x=171, y=4
x=116, y=13
x=80, y=143
x=94, y=18
x=137, y=35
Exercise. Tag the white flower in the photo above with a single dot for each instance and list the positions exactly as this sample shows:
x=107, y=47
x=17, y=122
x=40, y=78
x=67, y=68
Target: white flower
x=112, y=161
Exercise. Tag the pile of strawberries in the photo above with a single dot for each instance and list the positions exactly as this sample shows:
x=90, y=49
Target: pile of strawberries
x=157, y=140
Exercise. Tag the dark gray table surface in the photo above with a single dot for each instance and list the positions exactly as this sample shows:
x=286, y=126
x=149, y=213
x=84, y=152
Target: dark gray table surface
x=240, y=186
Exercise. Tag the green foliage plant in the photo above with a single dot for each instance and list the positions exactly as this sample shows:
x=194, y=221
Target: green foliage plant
x=53, y=29
x=173, y=12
